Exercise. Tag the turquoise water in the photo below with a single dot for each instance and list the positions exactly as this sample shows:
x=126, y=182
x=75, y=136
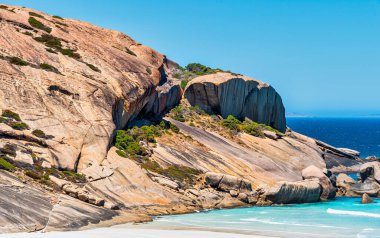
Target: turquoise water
x=344, y=217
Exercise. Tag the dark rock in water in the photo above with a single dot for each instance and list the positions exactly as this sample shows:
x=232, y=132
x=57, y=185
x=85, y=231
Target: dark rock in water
x=366, y=199
x=370, y=170
x=370, y=187
x=237, y=95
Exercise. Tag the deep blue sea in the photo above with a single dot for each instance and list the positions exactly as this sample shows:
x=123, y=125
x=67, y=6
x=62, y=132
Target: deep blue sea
x=361, y=134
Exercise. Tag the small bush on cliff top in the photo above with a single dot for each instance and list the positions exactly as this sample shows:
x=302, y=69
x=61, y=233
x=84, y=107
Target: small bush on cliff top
x=58, y=17
x=200, y=69
x=248, y=126
x=50, y=41
x=33, y=14
x=39, y=25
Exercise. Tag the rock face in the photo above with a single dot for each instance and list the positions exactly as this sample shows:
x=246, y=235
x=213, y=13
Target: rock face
x=237, y=95
x=305, y=191
x=103, y=80
x=370, y=170
x=366, y=199
x=328, y=190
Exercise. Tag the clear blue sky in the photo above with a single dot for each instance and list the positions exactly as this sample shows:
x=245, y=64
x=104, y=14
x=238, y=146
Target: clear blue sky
x=322, y=56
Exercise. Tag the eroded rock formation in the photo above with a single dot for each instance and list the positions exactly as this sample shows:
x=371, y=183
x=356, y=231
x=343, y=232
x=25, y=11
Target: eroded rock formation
x=237, y=95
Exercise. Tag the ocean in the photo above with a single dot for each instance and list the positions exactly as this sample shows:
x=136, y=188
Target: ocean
x=361, y=134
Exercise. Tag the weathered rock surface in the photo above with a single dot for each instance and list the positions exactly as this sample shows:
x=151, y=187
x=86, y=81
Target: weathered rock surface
x=227, y=183
x=294, y=192
x=86, y=97
x=366, y=199
x=370, y=170
x=328, y=190
x=237, y=95
x=344, y=181
x=370, y=187
x=352, y=152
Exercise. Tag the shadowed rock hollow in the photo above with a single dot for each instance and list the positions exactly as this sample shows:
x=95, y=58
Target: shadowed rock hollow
x=237, y=95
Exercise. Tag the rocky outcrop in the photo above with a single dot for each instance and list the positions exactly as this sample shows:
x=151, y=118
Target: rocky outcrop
x=101, y=80
x=344, y=181
x=370, y=170
x=237, y=95
x=305, y=191
x=328, y=190
x=366, y=199
x=351, y=152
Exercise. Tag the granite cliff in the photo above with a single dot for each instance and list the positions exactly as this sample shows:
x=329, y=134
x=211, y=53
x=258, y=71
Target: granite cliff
x=70, y=91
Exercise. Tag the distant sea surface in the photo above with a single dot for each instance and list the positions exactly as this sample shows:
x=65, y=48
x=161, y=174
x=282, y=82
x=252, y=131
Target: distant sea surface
x=361, y=134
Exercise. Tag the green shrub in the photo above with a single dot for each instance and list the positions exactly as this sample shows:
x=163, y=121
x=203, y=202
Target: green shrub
x=231, y=123
x=152, y=166
x=130, y=51
x=5, y=165
x=39, y=25
x=18, y=61
x=58, y=17
x=73, y=176
x=39, y=133
x=69, y=52
x=9, y=149
x=33, y=14
x=200, y=69
x=181, y=173
x=183, y=84
x=177, y=75
x=123, y=139
x=51, y=51
x=48, y=67
x=177, y=114
x=121, y=153
x=27, y=33
x=50, y=41
x=9, y=114
x=34, y=175
x=3, y=7
x=149, y=71
x=174, y=128
x=253, y=128
x=19, y=126
x=93, y=67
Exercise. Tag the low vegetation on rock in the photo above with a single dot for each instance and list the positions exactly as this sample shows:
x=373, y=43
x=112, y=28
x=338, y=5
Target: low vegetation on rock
x=55, y=43
x=5, y=165
x=18, y=61
x=7, y=8
x=134, y=144
x=33, y=14
x=39, y=25
x=48, y=67
x=130, y=51
x=39, y=133
x=93, y=67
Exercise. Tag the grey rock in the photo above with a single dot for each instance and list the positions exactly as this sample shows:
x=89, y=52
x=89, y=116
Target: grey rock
x=350, y=152
x=237, y=95
x=344, y=181
x=328, y=190
x=370, y=187
x=305, y=191
x=370, y=170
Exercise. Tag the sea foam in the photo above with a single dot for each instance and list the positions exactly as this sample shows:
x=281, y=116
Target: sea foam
x=352, y=213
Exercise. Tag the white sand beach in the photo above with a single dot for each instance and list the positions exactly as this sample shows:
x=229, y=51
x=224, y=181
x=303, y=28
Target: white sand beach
x=129, y=232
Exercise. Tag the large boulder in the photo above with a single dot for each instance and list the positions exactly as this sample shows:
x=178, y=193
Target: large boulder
x=328, y=190
x=227, y=183
x=370, y=170
x=370, y=187
x=305, y=191
x=344, y=181
x=366, y=199
x=237, y=95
